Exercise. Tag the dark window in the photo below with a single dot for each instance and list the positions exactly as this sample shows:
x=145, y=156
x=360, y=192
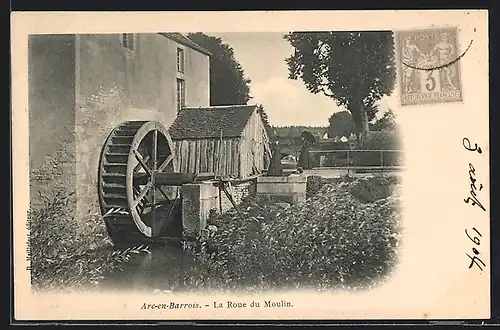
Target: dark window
x=128, y=40
x=180, y=60
x=181, y=94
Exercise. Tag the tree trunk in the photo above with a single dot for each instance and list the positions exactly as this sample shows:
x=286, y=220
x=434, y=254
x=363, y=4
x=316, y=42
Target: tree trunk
x=364, y=128
x=360, y=119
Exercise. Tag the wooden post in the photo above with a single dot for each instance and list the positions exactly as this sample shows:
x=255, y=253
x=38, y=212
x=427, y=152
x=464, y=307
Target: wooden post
x=218, y=174
x=348, y=162
x=382, y=161
x=220, y=185
x=219, y=154
x=230, y=197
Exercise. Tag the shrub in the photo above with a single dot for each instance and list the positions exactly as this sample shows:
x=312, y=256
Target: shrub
x=313, y=185
x=333, y=241
x=369, y=191
x=337, y=158
x=66, y=254
x=379, y=140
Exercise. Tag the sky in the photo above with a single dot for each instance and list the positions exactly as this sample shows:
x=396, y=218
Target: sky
x=287, y=102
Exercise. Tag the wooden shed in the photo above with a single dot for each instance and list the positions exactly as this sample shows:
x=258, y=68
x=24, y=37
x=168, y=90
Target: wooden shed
x=230, y=141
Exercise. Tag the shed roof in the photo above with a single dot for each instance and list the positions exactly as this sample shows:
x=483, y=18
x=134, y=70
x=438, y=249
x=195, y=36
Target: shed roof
x=207, y=122
x=183, y=40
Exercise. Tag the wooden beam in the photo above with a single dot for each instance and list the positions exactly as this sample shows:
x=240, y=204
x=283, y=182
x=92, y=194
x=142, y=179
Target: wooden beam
x=165, y=178
x=203, y=176
x=228, y=195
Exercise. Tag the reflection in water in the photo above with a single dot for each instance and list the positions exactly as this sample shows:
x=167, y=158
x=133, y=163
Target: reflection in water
x=162, y=269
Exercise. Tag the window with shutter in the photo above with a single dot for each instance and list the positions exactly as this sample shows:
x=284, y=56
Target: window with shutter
x=128, y=41
x=181, y=94
x=180, y=60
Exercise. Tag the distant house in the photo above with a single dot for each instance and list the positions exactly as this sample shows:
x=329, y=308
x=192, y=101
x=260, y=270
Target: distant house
x=230, y=141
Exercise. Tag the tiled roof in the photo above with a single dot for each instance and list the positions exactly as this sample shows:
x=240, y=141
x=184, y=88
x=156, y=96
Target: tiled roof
x=183, y=40
x=201, y=123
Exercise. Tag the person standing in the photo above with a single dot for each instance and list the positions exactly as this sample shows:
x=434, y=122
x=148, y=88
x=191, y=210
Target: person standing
x=275, y=167
x=307, y=141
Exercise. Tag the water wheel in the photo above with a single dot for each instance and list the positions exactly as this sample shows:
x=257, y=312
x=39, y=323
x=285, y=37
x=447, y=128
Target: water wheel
x=134, y=207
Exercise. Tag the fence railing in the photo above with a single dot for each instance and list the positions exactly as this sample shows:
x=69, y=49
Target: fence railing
x=359, y=159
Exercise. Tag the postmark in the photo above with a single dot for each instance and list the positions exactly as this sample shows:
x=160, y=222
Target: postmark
x=429, y=67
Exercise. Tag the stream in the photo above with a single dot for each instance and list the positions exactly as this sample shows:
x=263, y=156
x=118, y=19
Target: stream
x=161, y=270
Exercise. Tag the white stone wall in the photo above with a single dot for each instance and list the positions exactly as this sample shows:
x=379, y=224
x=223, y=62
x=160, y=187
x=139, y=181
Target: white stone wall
x=290, y=188
x=200, y=198
x=238, y=191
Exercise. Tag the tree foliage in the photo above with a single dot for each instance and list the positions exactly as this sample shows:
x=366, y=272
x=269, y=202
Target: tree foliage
x=228, y=84
x=381, y=140
x=385, y=123
x=356, y=69
x=340, y=124
x=296, y=131
x=265, y=119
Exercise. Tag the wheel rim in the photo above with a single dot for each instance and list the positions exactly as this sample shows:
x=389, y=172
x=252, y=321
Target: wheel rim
x=122, y=178
x=150, y=153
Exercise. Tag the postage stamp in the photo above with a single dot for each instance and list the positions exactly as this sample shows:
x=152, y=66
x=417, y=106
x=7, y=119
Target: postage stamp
x=429, y=66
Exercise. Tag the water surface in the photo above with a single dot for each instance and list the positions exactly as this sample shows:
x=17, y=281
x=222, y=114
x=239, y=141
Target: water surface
x=161, y=270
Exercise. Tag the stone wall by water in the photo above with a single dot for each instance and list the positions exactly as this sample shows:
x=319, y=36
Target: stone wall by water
x=202, y=198
x=290, y=189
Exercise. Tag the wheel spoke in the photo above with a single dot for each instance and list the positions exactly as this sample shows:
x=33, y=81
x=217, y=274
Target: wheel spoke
x=163, y=193
x=155, y=150
x=142, y=162
x=154, y=156
x=153, y=210
x=138, y=166
x=164, y=165
x=137, y=191
x=141, y=195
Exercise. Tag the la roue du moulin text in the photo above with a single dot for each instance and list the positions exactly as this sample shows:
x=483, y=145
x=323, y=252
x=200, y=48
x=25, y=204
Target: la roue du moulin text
x=217, y=304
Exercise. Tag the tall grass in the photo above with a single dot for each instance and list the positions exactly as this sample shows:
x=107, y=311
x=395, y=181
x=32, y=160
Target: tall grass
x=66, y=253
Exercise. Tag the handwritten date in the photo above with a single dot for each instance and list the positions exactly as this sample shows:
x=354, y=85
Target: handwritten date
x=474, y=259
x=473, y=200
x=468, y=145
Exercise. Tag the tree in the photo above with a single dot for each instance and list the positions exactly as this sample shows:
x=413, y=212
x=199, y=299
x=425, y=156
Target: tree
x=265, y=119
x=356, y=69
x=386, y=123
x=228, y=84
x=340, y=124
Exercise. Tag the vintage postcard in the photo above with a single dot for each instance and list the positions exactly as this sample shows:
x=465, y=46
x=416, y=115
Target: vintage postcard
x=251, y=165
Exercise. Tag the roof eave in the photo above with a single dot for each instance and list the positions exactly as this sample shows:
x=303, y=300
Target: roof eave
x=214, y=107
x=190, y=44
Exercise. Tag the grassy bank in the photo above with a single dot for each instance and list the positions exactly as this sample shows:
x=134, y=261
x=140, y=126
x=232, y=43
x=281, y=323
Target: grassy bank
x=67, y=254
x=345, y=235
